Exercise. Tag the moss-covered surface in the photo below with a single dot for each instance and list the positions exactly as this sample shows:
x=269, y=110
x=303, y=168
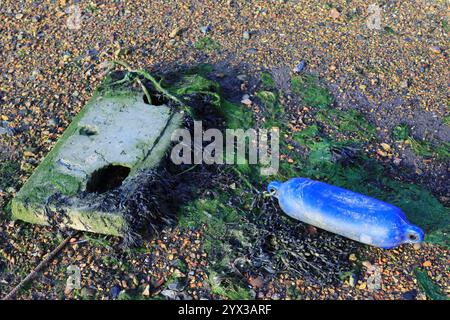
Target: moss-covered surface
x=312, y=93
x=36, y=201
x=439, y=149
x=273, y=110
x=207, y=44
x=431, y=290
x=446, y=120
x=45, y=179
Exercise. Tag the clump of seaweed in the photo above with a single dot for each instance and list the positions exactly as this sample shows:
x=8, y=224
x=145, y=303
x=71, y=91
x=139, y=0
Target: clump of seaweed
x=431, y=289
x=148, y=202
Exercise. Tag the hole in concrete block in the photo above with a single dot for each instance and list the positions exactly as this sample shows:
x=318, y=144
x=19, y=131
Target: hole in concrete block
x=107, y=178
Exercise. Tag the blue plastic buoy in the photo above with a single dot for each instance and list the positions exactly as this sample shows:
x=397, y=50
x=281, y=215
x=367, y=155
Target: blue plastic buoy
x=344, y=212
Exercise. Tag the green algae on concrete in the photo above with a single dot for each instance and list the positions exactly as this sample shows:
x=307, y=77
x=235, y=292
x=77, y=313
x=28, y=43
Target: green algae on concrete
x=116, y=136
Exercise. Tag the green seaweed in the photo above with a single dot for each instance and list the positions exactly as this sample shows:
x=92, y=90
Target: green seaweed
x=267, y=81
x=202, y=69
x=431, y=290
x=273, y=110
x=400, y=132
x=305, y=136
x=426, y=149
x=307, y=87
x=235, y=116
x=445, y=26
x=101, y=241
x=389, y=30
x=213, y=213
x=422, y=148
x=207, y=44
x=350, y=122
x=232, y=291
x=194, y=83
x=442, y=151
x=219, y=220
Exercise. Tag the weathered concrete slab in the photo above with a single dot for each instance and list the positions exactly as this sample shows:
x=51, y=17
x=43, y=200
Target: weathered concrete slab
x=114, y=138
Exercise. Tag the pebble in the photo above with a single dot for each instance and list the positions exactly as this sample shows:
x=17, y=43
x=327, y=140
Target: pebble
x=352, y=280
x=382, y=153
x=427, y=263
x=6, y=131
x=404, y=84
x=171, y=294
x=205, y=29
x=435, y=49
x=28, y=154
x=173, y=285
x=146, y=291
x=334, y=13
x=246, y=35
x=175, y=32
x=114, y=292
x=11, y=190
x=246, y=100
x=385, y=146
x=309, y=228
x=352, y=257
x=68, y=290
x=275, y=296
x=300, y=66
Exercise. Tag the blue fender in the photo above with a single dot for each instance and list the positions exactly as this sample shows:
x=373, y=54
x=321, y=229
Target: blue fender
x=344, y=212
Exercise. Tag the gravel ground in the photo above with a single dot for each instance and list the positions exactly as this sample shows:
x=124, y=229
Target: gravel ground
x=50, y=67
